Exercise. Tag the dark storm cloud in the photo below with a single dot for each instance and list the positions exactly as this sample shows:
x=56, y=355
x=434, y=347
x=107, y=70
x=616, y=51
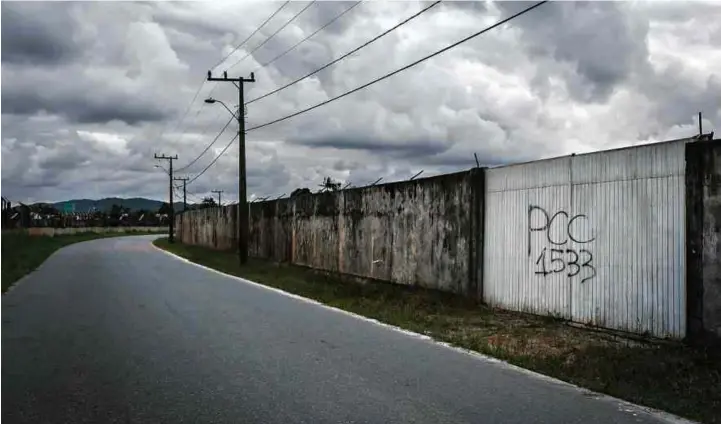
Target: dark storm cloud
x=187, y=23
x=467, y=160
x=602, y=43
x=346, y=141
x=673, y=11
x=472, y=6
x=68, y=158
x=91, y=65
x=306, y=56
x=47, y=33
x=81, y=106
x=304, y=59
x=63, y=93
x=268, y=178
x=677, y=102
x=321, y=13
x=35, y=34
x=343, y=165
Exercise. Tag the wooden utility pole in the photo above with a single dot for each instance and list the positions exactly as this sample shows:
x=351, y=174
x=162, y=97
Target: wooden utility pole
x=242, y=198
x=218, y=192
x=171, y=224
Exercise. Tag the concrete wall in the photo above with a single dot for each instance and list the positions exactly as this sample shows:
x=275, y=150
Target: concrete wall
x=703, y=162
x=48, y=231
x=647, y=220
x=271, y=230
x=411, y=233
x=212, y=227
x=419, y=232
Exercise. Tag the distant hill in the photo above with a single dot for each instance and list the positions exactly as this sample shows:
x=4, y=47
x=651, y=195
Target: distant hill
x=135, y=203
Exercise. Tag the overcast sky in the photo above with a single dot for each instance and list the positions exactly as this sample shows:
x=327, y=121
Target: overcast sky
x=90, y=91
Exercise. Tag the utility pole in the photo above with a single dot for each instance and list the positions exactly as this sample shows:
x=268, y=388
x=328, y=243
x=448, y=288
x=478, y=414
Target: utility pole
x=218, y=192
x=171, y=224
x=242, y=200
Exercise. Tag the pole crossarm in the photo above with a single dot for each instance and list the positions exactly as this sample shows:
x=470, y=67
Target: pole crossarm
x=237, y=80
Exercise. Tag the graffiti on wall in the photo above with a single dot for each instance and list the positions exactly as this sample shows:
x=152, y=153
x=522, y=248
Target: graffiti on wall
x=559, y=255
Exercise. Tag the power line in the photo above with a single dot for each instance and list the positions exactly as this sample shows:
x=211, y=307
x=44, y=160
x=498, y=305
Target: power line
x=189, y=195
x=215, y=85
x=251, y=34
x=207, y=126
x=273, y=35
x=209, y=145
x=379, y=36
x=194, y=196
x=400, y=69
x=308, y=37
x=185, y=114
x=225, y=58
x=211, y=163
x=211, y=122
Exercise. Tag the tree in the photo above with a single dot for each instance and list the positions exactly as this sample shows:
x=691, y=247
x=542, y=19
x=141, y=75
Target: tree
x=116, y=211
x=330, y=185
x=142, y=216
x=208, y=202
x=299, y=192
x=44, y=209
x=164, y=209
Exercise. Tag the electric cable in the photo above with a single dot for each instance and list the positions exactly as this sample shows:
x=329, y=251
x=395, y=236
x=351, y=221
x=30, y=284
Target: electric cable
x=272, y=35
x=211, y=163
x=251, y=34
x=308, y=37
x=208, y=146
x=400, y=69
x=376, y=38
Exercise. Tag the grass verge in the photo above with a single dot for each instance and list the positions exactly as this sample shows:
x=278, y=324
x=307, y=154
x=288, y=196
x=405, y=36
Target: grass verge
x=675, y=378
x=22, y=253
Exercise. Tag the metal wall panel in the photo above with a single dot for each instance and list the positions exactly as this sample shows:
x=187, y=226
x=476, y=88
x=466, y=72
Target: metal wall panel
x=510, y=251
x=602, y=234
x=635, y=202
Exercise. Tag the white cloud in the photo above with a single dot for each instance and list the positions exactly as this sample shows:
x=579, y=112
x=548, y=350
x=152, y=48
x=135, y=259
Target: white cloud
x=88, y=101
x=112, y=142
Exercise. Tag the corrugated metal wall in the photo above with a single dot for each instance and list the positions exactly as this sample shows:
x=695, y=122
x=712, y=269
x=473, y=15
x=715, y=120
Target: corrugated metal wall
x=596, y=238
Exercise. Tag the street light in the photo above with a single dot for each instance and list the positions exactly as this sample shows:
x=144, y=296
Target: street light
x=211, y=101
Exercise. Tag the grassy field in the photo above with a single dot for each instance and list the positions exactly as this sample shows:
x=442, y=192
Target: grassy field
x=675, y=378
x=22, y=253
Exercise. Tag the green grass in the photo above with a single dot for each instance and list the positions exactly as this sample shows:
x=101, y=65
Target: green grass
x=22, y=253
x=672, y=377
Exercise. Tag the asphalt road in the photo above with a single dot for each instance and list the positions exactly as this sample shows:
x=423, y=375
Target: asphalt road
x=114, y=331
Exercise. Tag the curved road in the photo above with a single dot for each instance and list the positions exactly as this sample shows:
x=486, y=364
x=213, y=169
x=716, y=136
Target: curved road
x=115, y=331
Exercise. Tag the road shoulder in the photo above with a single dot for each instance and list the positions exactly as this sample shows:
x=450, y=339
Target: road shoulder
x=679, y=379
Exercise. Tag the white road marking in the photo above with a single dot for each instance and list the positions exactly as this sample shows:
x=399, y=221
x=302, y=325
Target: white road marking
x=622, y=405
